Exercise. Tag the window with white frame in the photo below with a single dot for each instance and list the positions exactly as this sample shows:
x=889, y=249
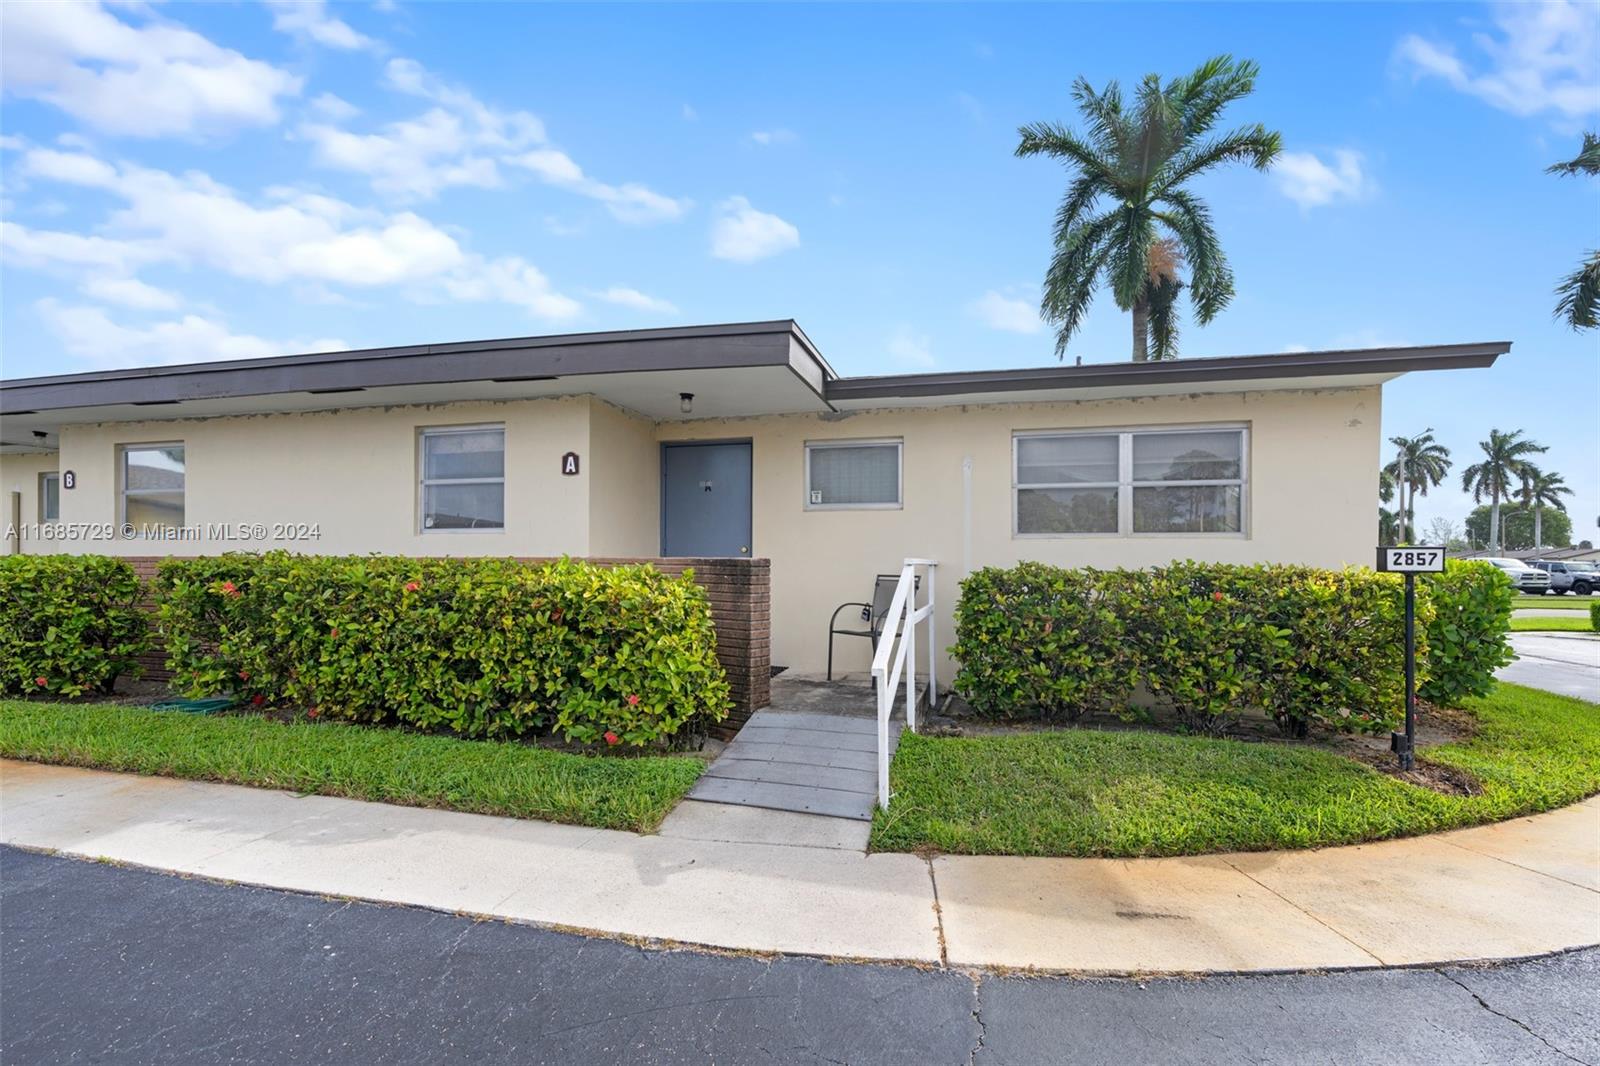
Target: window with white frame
x=852, y=474
x=151, y=480
x=462, y=472
x=1142, y=481
x=50, y=497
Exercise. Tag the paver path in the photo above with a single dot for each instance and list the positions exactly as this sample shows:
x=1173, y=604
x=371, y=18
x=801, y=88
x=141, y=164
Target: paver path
x=802, y=761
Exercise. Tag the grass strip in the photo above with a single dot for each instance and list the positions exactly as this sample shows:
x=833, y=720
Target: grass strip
x=1085, y=792
x=1552, y=624
x=359, y=762
x=1558, y=603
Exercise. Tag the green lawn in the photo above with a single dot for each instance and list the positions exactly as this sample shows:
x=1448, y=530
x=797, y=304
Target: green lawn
x=1578, y=623
x=361, y=762
x=1085, y=792
x=1568, y=602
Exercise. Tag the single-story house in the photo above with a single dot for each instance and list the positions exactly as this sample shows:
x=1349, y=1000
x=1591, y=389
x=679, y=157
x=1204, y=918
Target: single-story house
x=728, y=441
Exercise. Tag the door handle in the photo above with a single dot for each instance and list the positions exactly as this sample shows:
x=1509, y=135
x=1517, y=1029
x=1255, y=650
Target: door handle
x=744, y=549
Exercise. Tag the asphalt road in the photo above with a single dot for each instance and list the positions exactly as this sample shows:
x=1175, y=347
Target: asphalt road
x=1566, y=663
x=100, y=963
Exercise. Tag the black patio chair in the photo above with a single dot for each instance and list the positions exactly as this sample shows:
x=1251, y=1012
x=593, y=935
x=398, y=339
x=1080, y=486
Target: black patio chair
x=871, y=613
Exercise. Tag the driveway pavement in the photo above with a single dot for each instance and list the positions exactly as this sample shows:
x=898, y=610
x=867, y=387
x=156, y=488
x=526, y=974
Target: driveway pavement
x=1566, y=663
x=100, y=963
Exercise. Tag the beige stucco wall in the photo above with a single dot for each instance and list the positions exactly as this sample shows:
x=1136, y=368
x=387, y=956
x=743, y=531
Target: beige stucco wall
x=353, y=473
x=624, y=471
x=1313, y=462
x=20, y=474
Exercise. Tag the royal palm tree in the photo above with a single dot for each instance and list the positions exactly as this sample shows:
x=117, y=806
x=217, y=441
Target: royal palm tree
x=1505, y=458
x=1540, y=490
x=1387, y=526
x=1419, y=463
x=1140, y=157
x=1578, y=295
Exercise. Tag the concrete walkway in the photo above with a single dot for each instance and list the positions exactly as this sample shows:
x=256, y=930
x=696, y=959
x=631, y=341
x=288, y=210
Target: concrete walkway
x=1520, y=888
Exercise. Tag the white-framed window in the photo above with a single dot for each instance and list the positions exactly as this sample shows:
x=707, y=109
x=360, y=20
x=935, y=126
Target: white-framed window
x=853, y=474
x=150, y=484
x=461, y=473
x=50, y=497
x=1179, y=481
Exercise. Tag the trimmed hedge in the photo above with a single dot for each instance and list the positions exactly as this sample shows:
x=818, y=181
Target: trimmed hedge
x=1594, y=616
x=481, y=647
x=1209, y=640
x=1467, y=636
x=69, y=624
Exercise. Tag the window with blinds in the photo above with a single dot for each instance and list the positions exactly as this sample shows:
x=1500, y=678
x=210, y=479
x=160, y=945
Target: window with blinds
x=853, y=474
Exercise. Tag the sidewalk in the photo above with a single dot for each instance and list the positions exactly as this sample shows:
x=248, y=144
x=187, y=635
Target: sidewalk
x=1520, y=888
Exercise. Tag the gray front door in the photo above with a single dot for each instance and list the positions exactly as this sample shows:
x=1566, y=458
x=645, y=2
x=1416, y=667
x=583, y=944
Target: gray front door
x=705, y=499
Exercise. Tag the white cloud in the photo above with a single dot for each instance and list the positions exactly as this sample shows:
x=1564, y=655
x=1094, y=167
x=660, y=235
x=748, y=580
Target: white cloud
x=632, y=203
x=146, y=80
x=334, y=108
x=309, y=20
x=767, y=138
x=291, y=236
x=46, y=249
x=412, y=159
x=131, y=292
x=88, y=333
x=1544, y=57
x=1309, y=182
x=505, y=129
x=743, y=234
x=626, y=297
x=1006, y=313
x=911, y=349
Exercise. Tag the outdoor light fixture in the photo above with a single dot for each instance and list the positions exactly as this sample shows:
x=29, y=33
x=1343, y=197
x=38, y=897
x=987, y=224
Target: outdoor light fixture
x=686, y=402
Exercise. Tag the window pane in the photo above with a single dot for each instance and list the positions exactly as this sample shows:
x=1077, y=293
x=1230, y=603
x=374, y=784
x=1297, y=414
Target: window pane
x=1206, y=455
x=49, y=498
x=868, y=473
x=464, y=506
x=1066, y=510
x=479, y=453
x=154, y=468
x=1187, y=509
x=1062, y=460
x=151, y=511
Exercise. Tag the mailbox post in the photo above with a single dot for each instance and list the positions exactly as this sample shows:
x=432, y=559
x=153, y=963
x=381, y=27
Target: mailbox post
x=1411, y=561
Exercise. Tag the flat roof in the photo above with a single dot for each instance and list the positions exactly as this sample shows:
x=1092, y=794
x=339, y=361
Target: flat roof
x=743, y=368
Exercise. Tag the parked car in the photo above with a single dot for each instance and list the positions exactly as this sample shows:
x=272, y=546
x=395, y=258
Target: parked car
x=1527, y=578
x=1579, y=578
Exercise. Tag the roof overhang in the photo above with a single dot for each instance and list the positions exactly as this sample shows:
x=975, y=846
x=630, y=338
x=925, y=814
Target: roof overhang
x=1347, y=368
x=738, y=370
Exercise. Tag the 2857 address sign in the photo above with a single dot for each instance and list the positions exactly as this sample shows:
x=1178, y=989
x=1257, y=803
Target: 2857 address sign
x=1416, y=559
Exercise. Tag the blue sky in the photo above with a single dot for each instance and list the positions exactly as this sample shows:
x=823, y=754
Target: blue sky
x=188, y=181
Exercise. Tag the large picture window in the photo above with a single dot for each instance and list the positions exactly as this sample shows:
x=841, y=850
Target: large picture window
x=463, y=479
x=1124, y=482
x=853, y=474
x=151, y=480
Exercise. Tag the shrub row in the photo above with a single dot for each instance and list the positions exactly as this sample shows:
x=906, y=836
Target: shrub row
x=1209, y=641
x=481, y=647
x=69, y=624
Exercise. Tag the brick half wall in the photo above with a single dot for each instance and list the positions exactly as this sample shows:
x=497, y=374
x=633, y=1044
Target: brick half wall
x=740, y=591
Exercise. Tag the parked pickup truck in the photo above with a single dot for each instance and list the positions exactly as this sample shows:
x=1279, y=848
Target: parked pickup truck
x=1575, y=577
x=1527, y=578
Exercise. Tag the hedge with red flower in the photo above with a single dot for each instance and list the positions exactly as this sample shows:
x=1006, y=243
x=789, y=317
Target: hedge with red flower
x=69, y=624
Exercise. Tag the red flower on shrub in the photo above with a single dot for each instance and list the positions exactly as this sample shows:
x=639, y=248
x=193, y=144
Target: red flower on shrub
x=312, y=713
x=412, y=586
x=612, y=738
x=228, y=588
x=632, y=701
x=1217, y=596
x=333, y=632
x=244, y=675
x=41, y=681
x=258, y=700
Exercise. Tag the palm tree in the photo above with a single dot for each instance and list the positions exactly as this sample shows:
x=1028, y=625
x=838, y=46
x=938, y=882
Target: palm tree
x=1419, y=464
x=1505, y=460
x=1578, y=295
x=1540, y=490
x=1387, y=526
x=1140, y=158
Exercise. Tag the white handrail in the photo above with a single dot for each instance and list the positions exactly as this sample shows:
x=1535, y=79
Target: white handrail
x=896, y=657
